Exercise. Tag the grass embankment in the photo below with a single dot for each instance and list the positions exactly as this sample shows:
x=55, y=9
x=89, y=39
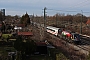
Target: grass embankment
x=57, y=55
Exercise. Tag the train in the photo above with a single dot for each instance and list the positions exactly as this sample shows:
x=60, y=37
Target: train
x=64, y=34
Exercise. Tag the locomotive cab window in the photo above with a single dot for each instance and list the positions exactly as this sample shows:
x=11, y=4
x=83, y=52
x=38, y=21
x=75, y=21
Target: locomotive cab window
x=76, y=35
x=59, y=31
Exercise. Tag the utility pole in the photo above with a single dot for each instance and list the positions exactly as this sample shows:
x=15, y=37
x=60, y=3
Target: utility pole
x=44, y=21
x=43, y=29
x=56, y=20
x=81, y=22
x=45, y=18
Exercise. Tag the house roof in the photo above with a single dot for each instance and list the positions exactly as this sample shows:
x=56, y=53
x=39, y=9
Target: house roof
x=88, y=21
x=25, y=33
x=21, y=25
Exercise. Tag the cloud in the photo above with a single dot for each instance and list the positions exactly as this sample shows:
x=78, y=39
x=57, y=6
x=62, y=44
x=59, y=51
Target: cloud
x=36, y=6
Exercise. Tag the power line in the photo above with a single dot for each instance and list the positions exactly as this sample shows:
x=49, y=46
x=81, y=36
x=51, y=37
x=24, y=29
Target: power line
x=68, y=10
x=63, y=10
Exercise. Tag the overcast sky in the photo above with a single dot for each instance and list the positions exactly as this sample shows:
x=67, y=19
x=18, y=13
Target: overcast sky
x=20, y=7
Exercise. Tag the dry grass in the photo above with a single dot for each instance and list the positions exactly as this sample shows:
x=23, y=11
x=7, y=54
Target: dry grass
x=67, y=50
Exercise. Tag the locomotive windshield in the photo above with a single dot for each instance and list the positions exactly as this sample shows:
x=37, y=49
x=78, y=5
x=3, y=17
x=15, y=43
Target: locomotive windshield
x=76, y=36
x=59, y=31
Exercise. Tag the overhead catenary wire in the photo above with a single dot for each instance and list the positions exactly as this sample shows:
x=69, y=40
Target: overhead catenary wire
x=69, y=10
x=63, y=10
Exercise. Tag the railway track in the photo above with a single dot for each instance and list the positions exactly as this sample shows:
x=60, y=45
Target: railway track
x=83, y=47
x=86, y=48
x=85, y=43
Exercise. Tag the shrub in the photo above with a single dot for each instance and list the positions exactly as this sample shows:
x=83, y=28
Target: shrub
x=5, y=36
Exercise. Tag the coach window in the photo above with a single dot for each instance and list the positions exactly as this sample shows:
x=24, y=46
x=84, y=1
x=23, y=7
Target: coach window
x=53, y=30
x=49, y=29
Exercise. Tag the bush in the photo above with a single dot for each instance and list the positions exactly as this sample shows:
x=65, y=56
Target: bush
x=5, y=36
x=56, y=54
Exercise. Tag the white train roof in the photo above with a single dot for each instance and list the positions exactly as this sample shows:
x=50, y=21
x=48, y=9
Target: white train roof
x=53, y=28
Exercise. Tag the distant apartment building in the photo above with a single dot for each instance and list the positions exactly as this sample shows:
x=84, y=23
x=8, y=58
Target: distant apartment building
x=2, y=14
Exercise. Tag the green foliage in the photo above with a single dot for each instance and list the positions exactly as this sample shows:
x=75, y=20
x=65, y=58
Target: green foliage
x=27, y=47
x=4, y=52
x=5, y=36
x=88, y=57
x=25, y=19
x=56, y=54
x=18, y=44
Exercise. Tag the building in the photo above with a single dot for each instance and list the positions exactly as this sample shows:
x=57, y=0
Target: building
x=2, y=16
x=3, y=12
